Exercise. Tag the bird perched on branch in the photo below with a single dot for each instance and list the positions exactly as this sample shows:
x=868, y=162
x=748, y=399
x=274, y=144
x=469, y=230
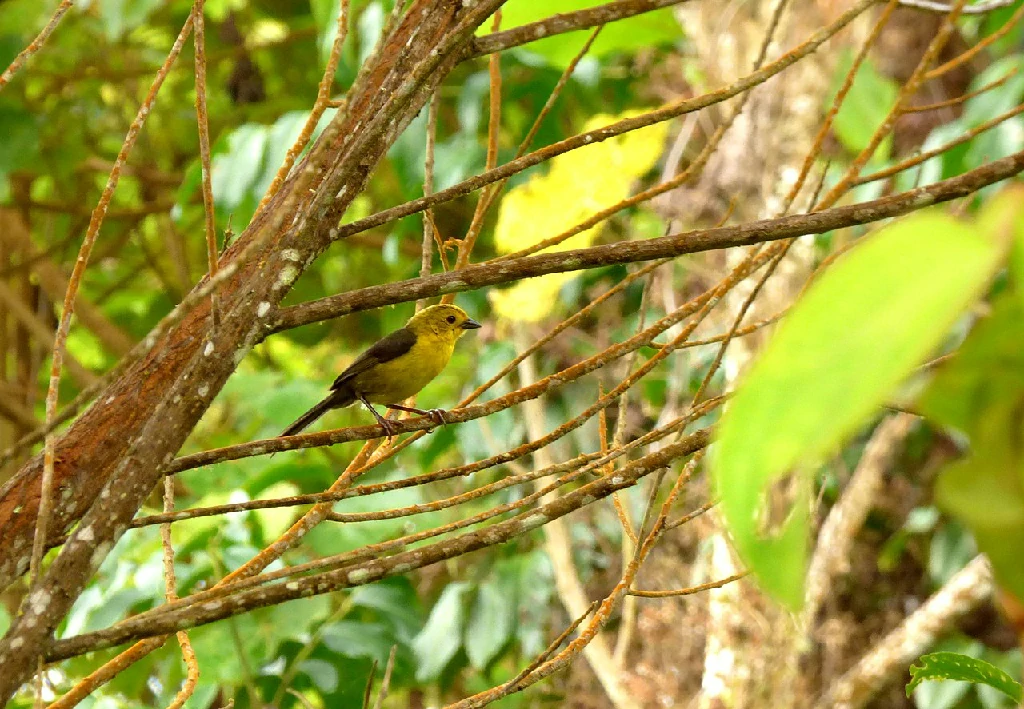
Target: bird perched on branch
x=396, y=367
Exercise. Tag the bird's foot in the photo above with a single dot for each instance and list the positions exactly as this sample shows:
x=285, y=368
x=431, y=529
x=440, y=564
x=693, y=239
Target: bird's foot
x=390, y=430
x=438, y=416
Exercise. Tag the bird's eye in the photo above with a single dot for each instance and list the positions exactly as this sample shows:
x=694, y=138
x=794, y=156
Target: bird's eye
x=450, y=319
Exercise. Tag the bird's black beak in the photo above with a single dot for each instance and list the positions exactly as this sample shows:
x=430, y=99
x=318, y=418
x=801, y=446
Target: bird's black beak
x=470, y=325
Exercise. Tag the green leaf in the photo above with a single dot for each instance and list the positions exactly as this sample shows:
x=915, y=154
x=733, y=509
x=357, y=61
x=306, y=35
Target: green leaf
x=981, y=392
x=951, y=665
x=20, y=131
x=355, y=639
x=120, y=16
x=951, y=548
x=863, y=326
x=536, y=588
x=490, y=621
x=869, y=101
x=646, y=30
x=234, y=173
x=986, y=491
x=323, y=674
x=1017, y=257
x=396, y=604
x=986, y=371
x=441, y=637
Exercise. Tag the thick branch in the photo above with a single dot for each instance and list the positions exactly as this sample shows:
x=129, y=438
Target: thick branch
x=488, y=274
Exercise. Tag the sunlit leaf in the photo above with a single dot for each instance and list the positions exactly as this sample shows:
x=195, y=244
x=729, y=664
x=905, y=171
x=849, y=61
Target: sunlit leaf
x=870, y=99
x=441, y=637
x=865, y=324
x=981, y=393
x=577, y=185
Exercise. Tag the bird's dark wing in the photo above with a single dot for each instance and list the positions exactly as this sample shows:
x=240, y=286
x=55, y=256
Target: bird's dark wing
x=383, y=350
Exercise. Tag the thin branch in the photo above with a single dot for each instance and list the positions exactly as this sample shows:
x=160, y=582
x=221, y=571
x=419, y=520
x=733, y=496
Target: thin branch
x=369, y=571
x=963, y=97
x=230, y=585
x=831, y=555
x=686, y=591
x=558, y=547
x=427, y=249
x=323, y=97
x=844, y=90
x=917, y=77
x=493, y=136
x=203, y=123
x=560, y=24
x=513, y=684
x=386, y=682
x=919, y=158
x=665, y=113
x=487, y=274
x=978, y=47
x=171, y=593
x=36, y=44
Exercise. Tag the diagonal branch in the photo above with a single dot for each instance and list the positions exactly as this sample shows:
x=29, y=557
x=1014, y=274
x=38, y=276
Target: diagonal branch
x=488, y=274
x=560, y=24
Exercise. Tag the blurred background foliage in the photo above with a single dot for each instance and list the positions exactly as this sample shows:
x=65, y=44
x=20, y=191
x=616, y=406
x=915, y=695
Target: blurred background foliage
x=477, y=620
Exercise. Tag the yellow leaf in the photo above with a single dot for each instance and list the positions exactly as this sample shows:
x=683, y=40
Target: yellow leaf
x=577, y=185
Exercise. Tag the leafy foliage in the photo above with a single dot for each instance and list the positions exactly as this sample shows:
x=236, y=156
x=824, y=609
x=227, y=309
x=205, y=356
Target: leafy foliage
x=466, y=625
x=863, y=326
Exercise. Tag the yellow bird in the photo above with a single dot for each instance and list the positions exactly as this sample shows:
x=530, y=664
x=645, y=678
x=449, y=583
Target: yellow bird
x=396, y=367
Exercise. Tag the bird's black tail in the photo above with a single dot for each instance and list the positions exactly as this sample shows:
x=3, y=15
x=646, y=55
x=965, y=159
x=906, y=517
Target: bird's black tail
x=335, y=400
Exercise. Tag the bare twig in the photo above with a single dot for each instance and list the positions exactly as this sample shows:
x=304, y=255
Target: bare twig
x=36, y=44
x=567, y=22
x=187, y=653
x=686, y=591
x=385, y=683
x=428, y=188
x=323, y=96
x=203, y=122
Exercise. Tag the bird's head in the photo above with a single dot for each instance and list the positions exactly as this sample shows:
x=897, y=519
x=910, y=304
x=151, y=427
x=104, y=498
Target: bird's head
x=445, y=320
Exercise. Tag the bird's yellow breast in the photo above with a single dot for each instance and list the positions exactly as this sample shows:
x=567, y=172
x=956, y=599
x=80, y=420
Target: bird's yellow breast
x=394, y=381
